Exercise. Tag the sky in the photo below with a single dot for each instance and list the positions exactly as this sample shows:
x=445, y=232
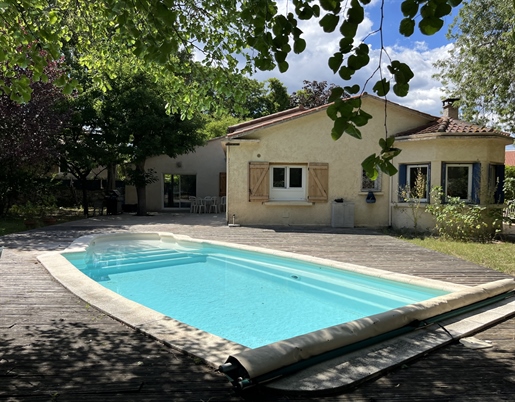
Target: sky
x=419, y=52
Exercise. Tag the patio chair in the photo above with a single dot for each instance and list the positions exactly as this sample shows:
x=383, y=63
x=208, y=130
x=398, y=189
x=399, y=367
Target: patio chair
x=201, y=205
x=214, y=205
x=193, y=204
x=223, y=202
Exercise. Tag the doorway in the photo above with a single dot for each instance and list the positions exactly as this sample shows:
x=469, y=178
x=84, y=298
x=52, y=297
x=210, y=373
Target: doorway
x=178, y=189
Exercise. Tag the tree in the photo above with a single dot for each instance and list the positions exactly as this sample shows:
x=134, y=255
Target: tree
x=156, y=31
x=312, y=94
x=135, y=126
x=479, y=67
x=217, y=126
x=28, y=146
x=80, y=144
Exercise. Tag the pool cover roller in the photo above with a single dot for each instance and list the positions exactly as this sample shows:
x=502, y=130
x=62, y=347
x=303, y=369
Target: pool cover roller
x=247, y=367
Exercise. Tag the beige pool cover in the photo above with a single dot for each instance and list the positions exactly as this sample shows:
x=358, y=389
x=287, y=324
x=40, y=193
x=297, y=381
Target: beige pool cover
x=254, y=363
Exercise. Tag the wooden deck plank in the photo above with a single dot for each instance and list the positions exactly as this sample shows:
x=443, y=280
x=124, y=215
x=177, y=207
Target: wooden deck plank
x=53, y=345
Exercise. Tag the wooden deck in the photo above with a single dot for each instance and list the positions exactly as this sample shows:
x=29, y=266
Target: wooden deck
x=54, y=347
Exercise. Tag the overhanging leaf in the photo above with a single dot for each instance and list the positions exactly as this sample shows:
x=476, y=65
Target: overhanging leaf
x=381, y=87
x=407, y=27
x=369, y=166
x=336, y=93
x=329, y=22
x=430, y=25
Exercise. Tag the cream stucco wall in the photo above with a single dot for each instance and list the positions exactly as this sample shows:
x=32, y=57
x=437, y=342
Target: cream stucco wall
x=308, y=139
x=437, y=150
x=206, y=162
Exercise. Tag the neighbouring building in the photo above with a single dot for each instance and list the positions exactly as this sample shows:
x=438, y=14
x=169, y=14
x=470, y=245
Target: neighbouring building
x=200, y=173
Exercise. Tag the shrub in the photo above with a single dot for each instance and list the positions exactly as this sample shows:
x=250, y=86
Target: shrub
x=457, y=220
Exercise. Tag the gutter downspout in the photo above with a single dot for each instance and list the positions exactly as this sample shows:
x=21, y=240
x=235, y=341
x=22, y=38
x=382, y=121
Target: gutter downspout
x=390, y=200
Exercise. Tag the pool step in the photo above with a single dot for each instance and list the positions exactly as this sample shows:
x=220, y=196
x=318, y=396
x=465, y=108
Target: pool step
x=101, y=271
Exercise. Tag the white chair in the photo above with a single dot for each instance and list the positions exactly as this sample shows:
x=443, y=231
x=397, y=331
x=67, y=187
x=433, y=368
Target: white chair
x=193, y=204
x=201, y=205
x=214, y=206
x=223, y=202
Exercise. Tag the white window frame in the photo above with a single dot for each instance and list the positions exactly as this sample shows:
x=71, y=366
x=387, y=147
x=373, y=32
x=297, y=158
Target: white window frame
x=408, y=178
x=288, y=193
x=365, y=180
x=469, y=183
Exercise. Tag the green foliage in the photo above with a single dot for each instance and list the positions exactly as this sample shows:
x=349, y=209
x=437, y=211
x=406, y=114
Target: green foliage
x=383, y=161
x=217, y=127
x=459, y=221
x=137, y=178
x=476, y=70
x=509, y=183
x=162, y=37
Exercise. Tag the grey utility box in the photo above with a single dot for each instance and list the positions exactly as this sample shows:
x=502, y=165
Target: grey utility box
x=342, y=215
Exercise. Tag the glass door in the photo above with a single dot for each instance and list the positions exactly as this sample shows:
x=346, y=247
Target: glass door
x=178, y=189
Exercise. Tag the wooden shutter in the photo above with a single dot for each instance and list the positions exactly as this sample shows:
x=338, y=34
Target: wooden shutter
x=318, y=182
x=259, y=181
x=222, y=184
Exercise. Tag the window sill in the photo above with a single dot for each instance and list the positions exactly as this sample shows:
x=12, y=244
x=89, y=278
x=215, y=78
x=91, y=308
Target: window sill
x=283, y=203
x=409, y=204
x=365, y=193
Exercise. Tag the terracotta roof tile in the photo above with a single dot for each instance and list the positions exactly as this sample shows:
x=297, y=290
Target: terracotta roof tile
x=243, y=128
x=509, y=159
x=447, y=125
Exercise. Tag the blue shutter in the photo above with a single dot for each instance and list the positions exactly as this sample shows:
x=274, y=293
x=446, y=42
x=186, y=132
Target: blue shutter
x=402, y=179
x=476, y=182
x=444, y=177
x=428, y=182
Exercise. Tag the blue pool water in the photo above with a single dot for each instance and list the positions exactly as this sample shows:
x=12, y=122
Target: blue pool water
x=247, y=297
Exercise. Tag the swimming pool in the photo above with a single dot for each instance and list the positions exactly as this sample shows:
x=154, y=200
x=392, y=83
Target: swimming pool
x=247, y=297
x=264, y=362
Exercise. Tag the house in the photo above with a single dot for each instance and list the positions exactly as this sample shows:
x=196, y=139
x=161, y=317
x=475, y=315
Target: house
x=200, y=173
x=509, y=159
x=285, y=169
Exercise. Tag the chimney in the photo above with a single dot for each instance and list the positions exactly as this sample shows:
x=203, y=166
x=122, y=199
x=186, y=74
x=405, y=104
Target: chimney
x=449, y=110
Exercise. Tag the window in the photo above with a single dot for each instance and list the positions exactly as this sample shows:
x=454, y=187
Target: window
x=370, y=185
x=288, y=183
x=461, y=180
x=178, y=189
x=414, y=182
x=269, y=182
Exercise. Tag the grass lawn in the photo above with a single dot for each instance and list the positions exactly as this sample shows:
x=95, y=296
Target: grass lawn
x=497, y=255
x=15, y=224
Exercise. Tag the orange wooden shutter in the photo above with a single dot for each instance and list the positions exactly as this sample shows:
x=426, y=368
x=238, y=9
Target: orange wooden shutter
x=318, y=181
x=259, y=181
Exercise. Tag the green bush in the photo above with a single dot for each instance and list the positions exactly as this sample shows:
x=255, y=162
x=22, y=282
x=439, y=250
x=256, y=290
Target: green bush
x=457, y=220
x=509, y=183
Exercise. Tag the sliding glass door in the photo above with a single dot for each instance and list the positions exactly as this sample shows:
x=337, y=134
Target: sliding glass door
x=178, y=189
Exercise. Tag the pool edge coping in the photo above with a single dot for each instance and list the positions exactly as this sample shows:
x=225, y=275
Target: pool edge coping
x=212, y=349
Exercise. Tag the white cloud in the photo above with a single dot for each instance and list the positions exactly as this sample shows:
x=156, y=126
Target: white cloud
x=425, y=91
x=312, y=65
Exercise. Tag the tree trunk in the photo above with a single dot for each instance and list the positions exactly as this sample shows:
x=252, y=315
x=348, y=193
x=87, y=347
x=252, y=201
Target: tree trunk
x=85, y=208
x=142, y=201
x=111, y=177
x=141, y=189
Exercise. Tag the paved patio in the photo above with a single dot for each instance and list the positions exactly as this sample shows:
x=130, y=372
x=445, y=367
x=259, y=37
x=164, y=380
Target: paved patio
x=53, y=346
